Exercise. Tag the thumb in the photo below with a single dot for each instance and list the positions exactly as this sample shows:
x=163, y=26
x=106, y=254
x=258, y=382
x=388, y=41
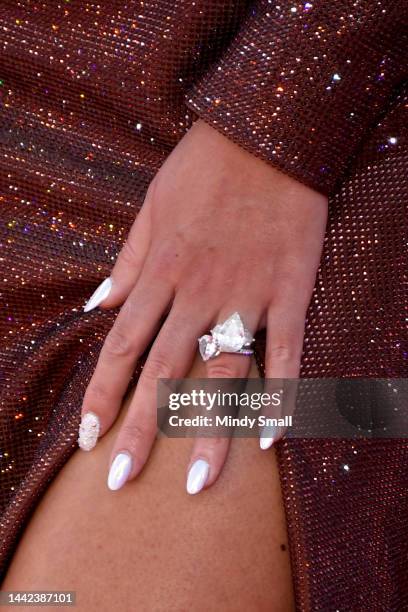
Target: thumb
x=114, y=290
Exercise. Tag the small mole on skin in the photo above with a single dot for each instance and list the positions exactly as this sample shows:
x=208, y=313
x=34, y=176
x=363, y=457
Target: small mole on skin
x=282, y=547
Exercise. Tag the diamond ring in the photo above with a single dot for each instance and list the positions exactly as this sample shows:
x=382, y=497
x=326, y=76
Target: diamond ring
x=228, y=337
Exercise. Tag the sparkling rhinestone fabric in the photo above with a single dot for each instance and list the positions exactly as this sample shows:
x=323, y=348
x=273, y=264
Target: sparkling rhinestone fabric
x=93, y=98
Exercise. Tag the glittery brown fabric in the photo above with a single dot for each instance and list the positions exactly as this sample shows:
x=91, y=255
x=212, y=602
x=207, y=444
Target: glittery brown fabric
x=94, y=97
x=301, y=83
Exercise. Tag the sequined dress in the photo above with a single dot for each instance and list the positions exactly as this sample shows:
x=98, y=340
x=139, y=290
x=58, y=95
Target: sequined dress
x=94, y=96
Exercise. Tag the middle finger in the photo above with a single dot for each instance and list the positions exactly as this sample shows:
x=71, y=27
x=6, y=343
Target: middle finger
x=171, y=356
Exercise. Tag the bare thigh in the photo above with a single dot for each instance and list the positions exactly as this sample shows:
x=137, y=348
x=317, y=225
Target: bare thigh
x=150, y=546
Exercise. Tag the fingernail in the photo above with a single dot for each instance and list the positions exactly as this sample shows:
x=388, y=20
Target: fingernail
x=197, y=476
x=100, y=294
x=88, y=431
x=267, y=438
x=119, y=471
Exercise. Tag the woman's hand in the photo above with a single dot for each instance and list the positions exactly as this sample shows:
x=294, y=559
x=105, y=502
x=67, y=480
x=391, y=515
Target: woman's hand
x=219, y=231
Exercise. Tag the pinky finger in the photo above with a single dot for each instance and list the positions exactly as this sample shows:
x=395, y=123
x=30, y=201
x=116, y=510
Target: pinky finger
x=284, y=343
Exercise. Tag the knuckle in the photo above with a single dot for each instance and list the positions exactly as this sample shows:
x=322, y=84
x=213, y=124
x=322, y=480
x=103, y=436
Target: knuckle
x=215, y=445
x=127, y=254
x=283, y=352
x=130, y=309
x=221, y=370
x=118, y=343
x=133, y=433
x=96, y=393
x=157, y=366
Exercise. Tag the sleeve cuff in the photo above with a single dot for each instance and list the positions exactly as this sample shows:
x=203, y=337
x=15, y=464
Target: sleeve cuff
x=301, y=84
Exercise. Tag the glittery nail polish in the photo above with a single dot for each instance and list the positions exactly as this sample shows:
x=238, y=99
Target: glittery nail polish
x=88, y=431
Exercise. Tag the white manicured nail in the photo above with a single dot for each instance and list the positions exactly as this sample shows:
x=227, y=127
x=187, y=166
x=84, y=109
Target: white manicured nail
x=197, y=476
x=268, y=436
x=88, y=431
x=119, y=471
x=100, y=294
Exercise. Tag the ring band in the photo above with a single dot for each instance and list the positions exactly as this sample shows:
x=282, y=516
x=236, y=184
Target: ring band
x=228, y=337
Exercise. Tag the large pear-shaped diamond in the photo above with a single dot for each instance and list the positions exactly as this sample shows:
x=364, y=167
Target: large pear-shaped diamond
x=231, y=335
x=207, y=347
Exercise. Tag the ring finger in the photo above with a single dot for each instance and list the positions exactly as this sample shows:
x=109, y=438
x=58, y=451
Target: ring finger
x=209, y=454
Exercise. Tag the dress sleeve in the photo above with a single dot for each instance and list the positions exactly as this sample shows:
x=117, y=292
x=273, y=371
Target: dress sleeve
x=300, y=84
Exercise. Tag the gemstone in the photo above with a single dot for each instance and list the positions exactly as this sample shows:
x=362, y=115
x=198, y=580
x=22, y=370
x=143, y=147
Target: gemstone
x=207, y=346
x=231, y=335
